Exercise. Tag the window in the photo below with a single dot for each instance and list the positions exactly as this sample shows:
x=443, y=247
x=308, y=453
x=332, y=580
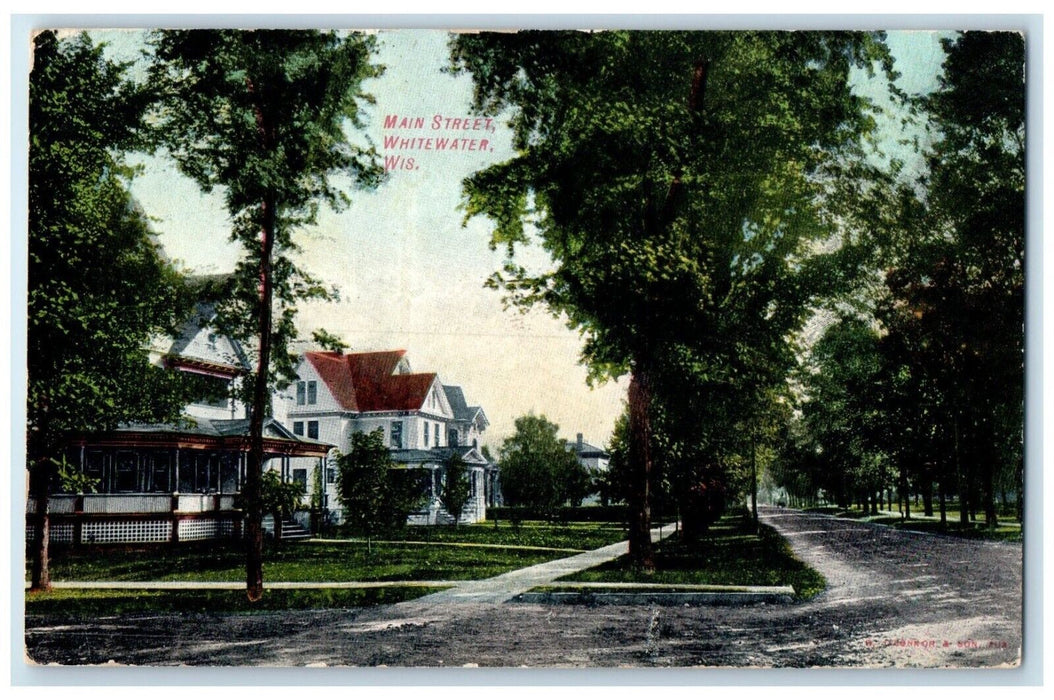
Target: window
x=203, y=472
x=426, y=433
x=397, y=435
x=229, y=474
x=159, y=472
x=301, y=393
x=126, y=472
x=95, y=468
x=331, y=475
x=436, y=433
x=312, y=429
x=452, y=437
x=312, y=393
x=298, y=428
x=300, y=477
x=211, y=391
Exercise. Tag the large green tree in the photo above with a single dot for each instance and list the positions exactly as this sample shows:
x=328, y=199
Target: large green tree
x=374, y=492
x=266, y=116
x=99, y=288
x=942, y=388
x=977, y=188
x=954, y=301
x=843, y=412
x=680, y=181
x=537, y=468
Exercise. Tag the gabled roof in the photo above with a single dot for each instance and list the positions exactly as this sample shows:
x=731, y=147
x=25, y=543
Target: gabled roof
x=462, y=411
x=371, y=381
x=584, y=449
x=180, y=352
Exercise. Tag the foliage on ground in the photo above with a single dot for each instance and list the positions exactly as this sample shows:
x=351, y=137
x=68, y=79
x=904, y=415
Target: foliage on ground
x=730, y=555
x=306, y=561
x=97, y=603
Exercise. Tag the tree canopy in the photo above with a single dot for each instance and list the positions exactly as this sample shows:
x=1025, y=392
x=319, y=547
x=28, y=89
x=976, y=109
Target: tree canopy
x=537, y=468
x=99, y=285
x=374, y=493
x=942, y=395
x=682, y=183
x=265, y=115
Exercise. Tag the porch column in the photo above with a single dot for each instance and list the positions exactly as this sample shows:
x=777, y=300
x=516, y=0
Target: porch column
x=175, y=467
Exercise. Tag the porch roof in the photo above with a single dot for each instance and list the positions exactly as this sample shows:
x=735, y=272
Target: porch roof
x=206, y=434
x=439, y=455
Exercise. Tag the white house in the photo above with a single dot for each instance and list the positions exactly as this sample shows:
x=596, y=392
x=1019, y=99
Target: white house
x=423, y=422
x=177, y=482
x=595, y=459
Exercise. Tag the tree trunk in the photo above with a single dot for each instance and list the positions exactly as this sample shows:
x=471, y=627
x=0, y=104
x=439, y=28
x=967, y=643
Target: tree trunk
x=39, y=481
x=253, y=478
x=640, y=548
x=943, y=502
x=991, y=518
x=964, y=498
x=754, y=481
x=906, y=496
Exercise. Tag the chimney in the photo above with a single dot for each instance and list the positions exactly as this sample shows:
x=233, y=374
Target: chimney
x=579, y=449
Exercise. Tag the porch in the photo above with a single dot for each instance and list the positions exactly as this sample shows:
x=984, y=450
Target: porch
x=157, y=486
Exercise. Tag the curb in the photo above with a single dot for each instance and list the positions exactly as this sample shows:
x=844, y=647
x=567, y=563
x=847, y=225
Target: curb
x=678, y=599
x=240, y=585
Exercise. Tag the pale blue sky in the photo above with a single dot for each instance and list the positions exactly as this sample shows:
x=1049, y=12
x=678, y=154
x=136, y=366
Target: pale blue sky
x=410, y=275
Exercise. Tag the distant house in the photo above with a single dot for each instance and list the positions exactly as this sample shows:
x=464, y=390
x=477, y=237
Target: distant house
x=593, y=458
x=177, y=482
x=423, y=422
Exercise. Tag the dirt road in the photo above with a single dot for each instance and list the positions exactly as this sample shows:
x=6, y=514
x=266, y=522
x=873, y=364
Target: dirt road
x=894, y=599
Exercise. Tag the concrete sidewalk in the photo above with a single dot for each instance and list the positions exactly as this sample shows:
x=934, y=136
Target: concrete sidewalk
x=491, y=590
x=498, y=589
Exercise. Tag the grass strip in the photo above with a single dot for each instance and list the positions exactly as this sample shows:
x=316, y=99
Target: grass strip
x=1007, y=531
x=579, y=536
x=303, y=561
x=481, y=545
x=80, y=603
x=731, y=554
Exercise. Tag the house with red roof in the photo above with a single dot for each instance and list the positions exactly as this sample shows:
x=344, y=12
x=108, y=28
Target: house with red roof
x=423, y=421
x=178, y=482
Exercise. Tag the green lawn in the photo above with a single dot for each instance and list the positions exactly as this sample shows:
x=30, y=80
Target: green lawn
x=731, y=555
x=96, y=603
x=579, y=536
x=307, y=562
x=303, y=561
x=1009, y=530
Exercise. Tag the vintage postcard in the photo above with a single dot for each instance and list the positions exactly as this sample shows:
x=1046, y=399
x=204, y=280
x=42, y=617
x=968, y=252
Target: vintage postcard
x=541, y=348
